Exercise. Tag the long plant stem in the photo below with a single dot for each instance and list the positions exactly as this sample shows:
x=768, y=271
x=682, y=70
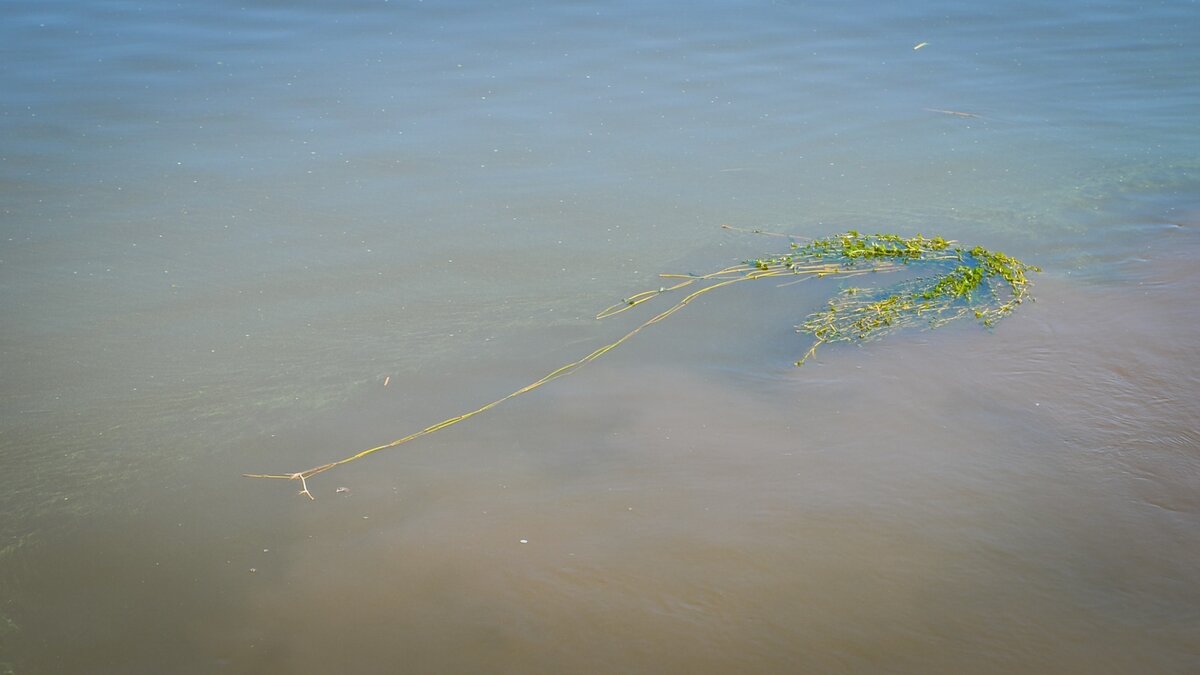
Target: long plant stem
x=720, y=279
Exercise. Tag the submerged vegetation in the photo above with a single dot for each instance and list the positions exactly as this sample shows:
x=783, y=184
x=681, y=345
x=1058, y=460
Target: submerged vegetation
x=975, y=282
x=945, y=282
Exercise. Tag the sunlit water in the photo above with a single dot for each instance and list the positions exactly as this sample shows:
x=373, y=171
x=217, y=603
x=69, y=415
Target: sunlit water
x=225, y=226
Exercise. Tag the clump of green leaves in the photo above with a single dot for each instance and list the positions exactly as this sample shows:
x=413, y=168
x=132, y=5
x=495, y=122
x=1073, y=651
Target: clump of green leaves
x=976, y=282
x=950, y=282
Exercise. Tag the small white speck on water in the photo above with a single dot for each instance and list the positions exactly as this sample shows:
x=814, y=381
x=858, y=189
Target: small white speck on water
x=253, y=570
x=524, y=541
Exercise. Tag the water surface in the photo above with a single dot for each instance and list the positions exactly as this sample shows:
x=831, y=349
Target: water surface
x=226, y=226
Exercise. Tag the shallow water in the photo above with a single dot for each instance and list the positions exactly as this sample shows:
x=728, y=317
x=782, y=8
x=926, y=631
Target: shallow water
x=226, y=226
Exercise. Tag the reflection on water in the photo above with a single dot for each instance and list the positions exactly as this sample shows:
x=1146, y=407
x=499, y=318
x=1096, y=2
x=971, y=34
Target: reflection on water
x=225, y=225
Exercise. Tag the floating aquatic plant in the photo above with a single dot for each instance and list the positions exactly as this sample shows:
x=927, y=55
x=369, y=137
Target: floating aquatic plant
x=983, y=284
x=945, y=282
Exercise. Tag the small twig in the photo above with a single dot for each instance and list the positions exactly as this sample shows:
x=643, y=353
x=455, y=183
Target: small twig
x=956, y=113
x=303, y=484
x=756, y=231
x=811, y=350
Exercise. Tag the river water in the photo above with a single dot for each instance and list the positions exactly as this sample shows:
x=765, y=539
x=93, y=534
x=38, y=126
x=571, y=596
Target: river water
x=259, y=236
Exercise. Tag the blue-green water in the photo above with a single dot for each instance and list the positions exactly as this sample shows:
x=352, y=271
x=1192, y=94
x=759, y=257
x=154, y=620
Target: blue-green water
x=224, y=226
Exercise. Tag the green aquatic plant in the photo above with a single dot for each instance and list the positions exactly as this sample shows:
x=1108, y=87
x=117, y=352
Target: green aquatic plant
x=960, y=282
x=944, y=282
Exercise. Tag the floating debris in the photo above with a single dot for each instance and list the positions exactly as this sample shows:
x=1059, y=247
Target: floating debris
x=955, y=113
x=953, y=282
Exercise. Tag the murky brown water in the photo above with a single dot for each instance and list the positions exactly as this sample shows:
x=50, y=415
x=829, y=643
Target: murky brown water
x=184, y=301
x=1021, y=501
